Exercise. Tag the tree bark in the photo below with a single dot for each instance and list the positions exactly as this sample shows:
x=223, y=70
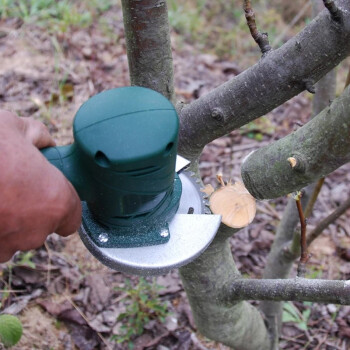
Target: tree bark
x=280, y=75
x=148, y=45
x=279, y=264
x=320, y=147
x=238, y=325
x=297, y=289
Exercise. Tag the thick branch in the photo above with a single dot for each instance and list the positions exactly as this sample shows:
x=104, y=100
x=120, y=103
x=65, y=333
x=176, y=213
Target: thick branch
x=282, y=74
x=148, y=45
x=298, y=289
x=320, y=146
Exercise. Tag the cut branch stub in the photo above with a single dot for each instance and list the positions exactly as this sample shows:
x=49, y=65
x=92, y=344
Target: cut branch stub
x=234, y=203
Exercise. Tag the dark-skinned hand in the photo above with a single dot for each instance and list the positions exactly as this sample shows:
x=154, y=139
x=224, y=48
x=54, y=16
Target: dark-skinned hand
x=35, y=197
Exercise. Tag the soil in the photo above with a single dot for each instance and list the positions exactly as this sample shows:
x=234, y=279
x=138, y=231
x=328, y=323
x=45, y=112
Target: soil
x=71, y=301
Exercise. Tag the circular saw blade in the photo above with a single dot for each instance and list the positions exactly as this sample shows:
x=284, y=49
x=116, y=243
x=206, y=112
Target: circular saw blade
x=191, y=231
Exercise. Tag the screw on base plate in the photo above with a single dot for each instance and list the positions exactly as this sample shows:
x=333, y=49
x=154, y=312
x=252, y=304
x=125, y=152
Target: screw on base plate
x=164, y=233
x=103, y=237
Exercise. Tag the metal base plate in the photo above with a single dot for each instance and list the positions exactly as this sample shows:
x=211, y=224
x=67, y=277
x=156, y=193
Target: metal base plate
x=190, y=236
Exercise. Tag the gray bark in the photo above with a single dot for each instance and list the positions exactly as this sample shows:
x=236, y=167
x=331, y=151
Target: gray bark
x=278, y=265
x=320, y=146
x=281, y=257
x=148, y=45
x=238, y=325
x=298, y=289
x=280, y=75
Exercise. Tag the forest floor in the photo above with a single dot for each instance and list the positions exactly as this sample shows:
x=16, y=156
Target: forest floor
x=64, y=297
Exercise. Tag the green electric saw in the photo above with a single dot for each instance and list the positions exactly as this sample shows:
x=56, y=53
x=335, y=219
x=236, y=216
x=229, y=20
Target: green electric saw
x=143, y=213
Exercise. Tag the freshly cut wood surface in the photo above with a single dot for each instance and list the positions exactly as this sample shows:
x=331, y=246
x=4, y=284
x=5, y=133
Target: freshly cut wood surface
x=234, y=203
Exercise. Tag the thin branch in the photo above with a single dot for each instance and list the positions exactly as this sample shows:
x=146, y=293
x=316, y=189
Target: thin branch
x=304, y=256
x=327, y=221
x=262, y=39
x=296, y=289
x=347, y=82
x=333, y=10
x=303, y=247
x=313, y=198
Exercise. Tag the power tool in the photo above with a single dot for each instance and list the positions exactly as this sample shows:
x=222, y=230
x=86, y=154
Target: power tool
x=123, y=166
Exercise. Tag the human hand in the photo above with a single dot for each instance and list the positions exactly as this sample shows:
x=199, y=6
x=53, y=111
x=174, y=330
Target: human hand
x=35, y=197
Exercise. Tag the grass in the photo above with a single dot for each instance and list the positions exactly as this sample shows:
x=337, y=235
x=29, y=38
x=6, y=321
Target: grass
x=55, y=16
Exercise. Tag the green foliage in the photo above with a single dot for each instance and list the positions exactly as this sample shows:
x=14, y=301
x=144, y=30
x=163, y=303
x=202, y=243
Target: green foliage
x=258, y=128
x=55, y=15
x=143, y=305
x=292, y=314
x=314, y=272
x=25, y=259
x=10, y=330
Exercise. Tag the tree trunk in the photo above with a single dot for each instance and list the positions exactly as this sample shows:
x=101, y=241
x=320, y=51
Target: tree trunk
x=238, y=325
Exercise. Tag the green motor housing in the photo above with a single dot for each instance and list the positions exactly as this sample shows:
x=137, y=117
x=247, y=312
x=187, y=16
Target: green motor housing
x=122, y=161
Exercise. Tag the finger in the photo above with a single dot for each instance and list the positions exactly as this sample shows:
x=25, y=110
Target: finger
x=37, y=133
x=5, y=255
x=71, y=222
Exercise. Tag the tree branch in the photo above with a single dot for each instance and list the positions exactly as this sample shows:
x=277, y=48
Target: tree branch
x=148, y=45
x=313, y=198
x=274, y=80
x=327, y=221
x=319, y=147
x=297, y=289
x=262, y=39
x=304, y=256
x=333, y=10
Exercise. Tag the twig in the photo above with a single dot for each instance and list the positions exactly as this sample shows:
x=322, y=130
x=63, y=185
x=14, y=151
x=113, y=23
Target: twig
x=304, y=257
x=347, y=82
x=312, y=200
x=261, y=39
x=333, y=10
x=48, y=277
x=327, y=221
